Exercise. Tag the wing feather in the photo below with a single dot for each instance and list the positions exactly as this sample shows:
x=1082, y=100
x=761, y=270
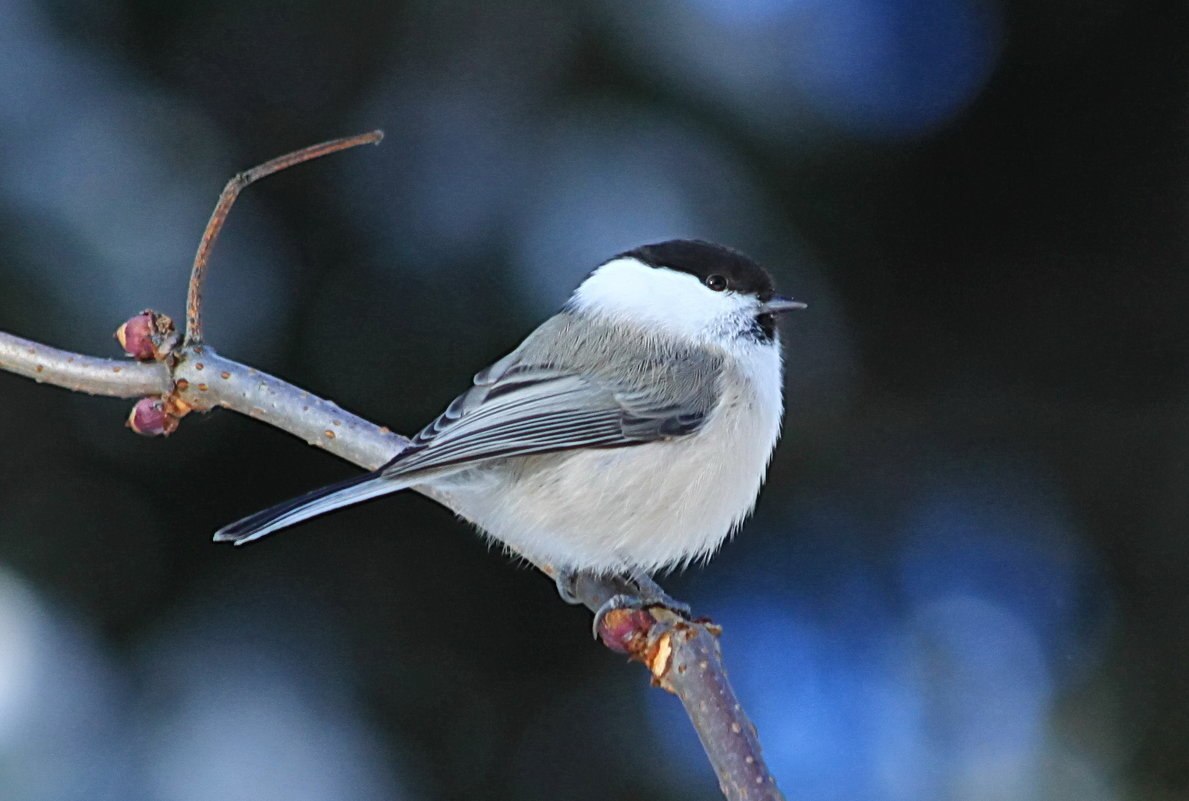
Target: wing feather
x=567, y=386
x=526, y=412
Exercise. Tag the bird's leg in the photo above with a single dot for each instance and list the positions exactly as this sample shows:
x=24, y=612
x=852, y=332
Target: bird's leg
x=634, y=589
x=567, y=581
x=649, y=593
x=596, y=584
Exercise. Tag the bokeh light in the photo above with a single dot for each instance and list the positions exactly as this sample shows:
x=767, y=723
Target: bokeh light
x=883, y=69
x=930, y=671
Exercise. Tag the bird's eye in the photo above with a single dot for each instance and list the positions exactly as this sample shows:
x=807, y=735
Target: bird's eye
x=716, y=282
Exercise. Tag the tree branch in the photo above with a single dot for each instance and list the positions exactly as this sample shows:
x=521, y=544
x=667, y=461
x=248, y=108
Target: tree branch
x=205, y=380
x=683, y=656
x=78, y=373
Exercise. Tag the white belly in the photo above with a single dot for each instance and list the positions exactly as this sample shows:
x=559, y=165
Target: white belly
x=651, y=507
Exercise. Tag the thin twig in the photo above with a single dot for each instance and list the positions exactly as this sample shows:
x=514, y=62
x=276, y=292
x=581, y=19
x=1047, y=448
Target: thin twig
x=694, y=671
x=79, y=373
x=685, y=658
x=223, y=207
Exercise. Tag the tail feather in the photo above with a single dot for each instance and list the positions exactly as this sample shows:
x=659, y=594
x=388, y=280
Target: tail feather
x=320, y=501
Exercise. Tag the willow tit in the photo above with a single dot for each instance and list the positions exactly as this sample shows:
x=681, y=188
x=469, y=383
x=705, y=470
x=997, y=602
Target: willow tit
x=628, y=434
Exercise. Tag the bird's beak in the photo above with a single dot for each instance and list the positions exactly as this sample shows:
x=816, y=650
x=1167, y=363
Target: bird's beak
x=776, y=304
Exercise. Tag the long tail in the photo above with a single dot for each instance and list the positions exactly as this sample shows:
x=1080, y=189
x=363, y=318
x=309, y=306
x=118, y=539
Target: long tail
x=320, y=501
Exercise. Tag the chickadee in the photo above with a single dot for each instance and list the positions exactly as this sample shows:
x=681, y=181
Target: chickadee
x=628, y=434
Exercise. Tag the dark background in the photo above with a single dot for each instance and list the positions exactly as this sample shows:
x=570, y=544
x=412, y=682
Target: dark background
x=966, y=578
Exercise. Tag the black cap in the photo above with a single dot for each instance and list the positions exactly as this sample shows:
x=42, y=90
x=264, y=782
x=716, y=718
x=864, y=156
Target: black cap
x=704, y=259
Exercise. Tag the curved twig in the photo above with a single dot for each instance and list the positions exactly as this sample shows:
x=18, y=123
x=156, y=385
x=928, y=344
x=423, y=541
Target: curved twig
x=223, y=207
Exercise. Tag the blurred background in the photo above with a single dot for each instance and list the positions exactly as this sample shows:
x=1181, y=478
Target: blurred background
x=968, y=577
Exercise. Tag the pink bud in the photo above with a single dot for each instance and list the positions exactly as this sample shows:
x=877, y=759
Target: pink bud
x=625, y=630
x=150, y=419
x=148, y=336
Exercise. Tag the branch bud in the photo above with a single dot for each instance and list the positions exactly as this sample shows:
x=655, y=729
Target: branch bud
x=625, y=630
x=148, y=336
x=149, y=418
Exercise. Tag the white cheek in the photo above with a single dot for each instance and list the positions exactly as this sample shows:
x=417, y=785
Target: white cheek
x=665, y=300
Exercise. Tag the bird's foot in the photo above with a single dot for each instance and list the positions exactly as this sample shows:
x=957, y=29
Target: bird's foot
x=634, y=590
x=641, y=603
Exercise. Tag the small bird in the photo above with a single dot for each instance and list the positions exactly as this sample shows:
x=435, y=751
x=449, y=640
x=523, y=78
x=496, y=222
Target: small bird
x=629, y=434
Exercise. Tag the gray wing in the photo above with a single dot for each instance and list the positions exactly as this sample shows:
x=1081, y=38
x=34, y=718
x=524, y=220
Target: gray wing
x=518, y=408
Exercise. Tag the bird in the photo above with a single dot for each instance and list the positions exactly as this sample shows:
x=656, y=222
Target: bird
x=628, y=435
